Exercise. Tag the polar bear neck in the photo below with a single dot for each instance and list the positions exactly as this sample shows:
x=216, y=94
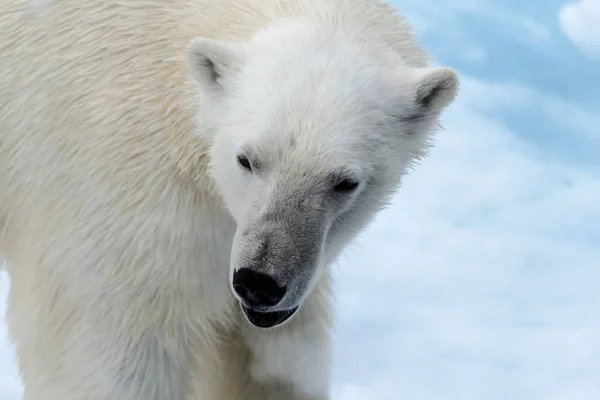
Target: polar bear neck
x=368, y=19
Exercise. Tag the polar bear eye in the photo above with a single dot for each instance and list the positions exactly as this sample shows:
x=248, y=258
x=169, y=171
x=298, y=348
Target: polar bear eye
x=346, y=186
x=244, y=162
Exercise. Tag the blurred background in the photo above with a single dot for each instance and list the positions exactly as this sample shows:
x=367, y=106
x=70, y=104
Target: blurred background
x=482, y=280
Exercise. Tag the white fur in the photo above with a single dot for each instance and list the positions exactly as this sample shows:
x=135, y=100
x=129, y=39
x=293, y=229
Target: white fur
x=38, y=6
x=122, y=207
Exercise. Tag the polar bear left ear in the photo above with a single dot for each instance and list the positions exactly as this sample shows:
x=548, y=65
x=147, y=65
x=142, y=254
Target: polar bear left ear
x=210, y=61
x=434, y=89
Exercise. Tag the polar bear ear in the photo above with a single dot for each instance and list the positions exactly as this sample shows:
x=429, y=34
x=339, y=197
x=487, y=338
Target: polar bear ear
x=434, y=89
x=210, y=61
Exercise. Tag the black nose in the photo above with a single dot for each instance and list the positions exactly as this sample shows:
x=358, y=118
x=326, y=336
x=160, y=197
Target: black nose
x=256, y=288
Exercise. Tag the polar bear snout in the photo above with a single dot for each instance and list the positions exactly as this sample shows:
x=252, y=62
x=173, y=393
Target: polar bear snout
x=274, y=262
x=260, y=298
x=257, y=290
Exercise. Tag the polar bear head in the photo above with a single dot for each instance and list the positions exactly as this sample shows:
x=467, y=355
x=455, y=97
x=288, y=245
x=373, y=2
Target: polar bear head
x=314, y=130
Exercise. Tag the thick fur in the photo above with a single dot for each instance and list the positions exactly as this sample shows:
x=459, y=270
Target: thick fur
x=123, y=212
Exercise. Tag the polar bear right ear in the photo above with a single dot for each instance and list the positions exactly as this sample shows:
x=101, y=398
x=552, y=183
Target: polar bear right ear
x=434, y=89
x=210, y=61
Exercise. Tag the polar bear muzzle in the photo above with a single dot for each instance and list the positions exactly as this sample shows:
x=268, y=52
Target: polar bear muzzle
x=276, y=258
x=257, y=293
x=257, y=289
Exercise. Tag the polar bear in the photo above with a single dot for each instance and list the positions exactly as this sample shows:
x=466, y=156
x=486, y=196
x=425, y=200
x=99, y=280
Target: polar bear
x=176, y=179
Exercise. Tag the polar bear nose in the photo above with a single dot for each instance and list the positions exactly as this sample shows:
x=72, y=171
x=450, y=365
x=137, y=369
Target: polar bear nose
x=257, y=289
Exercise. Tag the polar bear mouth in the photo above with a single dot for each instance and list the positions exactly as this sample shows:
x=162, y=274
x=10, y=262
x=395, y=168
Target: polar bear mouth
x=267, y=319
